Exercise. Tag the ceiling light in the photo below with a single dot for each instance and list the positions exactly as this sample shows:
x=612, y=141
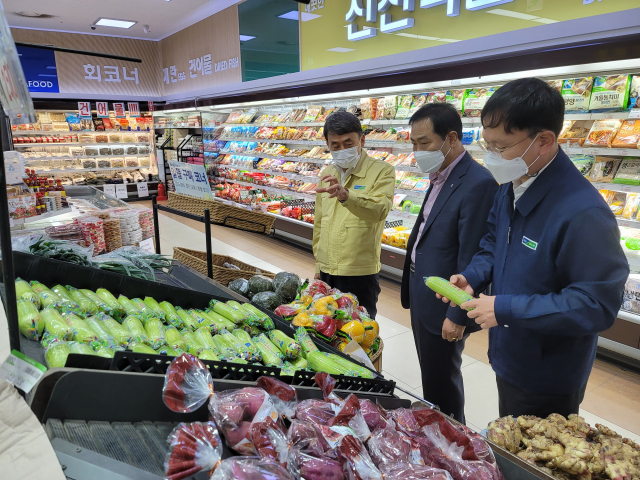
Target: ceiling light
x=448, y=40
x=304, y=16
x=340, y=49
x=509, y=13
x=112, y=22
x=544, y=20
x=421, y=37
x=246, y=38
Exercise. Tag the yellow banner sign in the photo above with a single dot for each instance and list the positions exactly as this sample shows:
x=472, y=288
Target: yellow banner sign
x=342, y=31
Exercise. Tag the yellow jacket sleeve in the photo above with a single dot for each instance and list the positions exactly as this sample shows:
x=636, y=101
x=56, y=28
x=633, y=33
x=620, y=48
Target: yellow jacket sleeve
x=374, y=206
x=317, y=224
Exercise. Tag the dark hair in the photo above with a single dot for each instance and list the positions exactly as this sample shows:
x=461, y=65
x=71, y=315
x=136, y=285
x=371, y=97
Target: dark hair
x=527, y=104
x=444, y=117
x=341, y=123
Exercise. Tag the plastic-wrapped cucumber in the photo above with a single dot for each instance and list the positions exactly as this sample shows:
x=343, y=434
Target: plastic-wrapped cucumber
x=24, y=292
x=288, y=369
x=81, y=331
x=29, y=321
x=138, y=332
x=238, y=360
x=300, y=363
x=204, y=337
x=155, y=307
x=69, y=303
x=187, y=319
x=194, y=345
x=241, y=349
x=121, y=334
x=201, y=321
x=142, y=348
x=269, y=358
x=207, y=354
x=226, y=352
x=287, y=345
x=220, y=321
x=178, y=351
x=56, y=353
x=129, y=307
x=171, y=315
x=264, y=339
x=55, y=324
x=245, y=338
x=305, y=342
x=266, y=320
x=101, y=350
x=100, y=303
x=46, y=296
x=153, y=327
x=117, y=311
x=353, y=369
x=174, y=339
x=250, y=318
x=226, y=311
x=166, y=350
x=86, y=304
x=81, y=348
x=144, y=309
x=103, y=335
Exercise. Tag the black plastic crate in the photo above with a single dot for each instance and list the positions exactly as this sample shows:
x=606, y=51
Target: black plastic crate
x=353, y=384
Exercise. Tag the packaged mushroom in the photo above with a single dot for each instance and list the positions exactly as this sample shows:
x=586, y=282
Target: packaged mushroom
x=131, y=162
x=144, y=162
x=117, y=162
x=105, y=151
x=114, y=138
x=91, y=151
x=131, y=150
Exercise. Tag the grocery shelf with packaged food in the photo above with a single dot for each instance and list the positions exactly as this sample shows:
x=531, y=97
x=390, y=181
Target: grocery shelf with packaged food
x=77, y=150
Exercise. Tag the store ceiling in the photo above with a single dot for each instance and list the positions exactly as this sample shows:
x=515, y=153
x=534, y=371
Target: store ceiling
x=163, y=17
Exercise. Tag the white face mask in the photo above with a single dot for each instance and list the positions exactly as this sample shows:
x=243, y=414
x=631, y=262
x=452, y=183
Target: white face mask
x=346, y=158
x=505, y=171
x=430, y=161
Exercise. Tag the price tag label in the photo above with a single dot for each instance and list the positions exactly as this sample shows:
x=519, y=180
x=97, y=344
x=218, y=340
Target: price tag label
x=119, y=110
x=103, y=109
x=134, y=109
x=21, y=371
x=84, y=108
x=574, y=150
x=121, y=191
x=634, y=113
x=148, y=245
x=366, y=121
x=109, y=190
x=143, y=189
x=621, y=151
x=591, y=151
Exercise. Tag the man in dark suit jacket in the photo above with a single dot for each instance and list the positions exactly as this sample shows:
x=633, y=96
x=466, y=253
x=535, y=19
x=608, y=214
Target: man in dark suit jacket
x=447, y=235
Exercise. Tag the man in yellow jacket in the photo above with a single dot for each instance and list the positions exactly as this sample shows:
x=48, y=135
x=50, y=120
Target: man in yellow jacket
x=353, y=199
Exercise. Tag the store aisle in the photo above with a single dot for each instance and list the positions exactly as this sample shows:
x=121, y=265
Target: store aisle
x=613, y=395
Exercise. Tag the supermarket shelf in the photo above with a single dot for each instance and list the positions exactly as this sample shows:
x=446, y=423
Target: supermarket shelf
x=84, y=158
x=73, y=170
x=23, y=133
x=628, y=316
x=55, y=213
x=293, y=176
x=175, y=128
x=292, y=220
x=306, y=196
x=617, y=187
x=369, y=143
x=278, y=157
x=275, y=124
x=628, y=223
x=634, y=262
x=615, y=152
x=390, y=248
x=402, y=215
x=53, y=144
x=411, y=193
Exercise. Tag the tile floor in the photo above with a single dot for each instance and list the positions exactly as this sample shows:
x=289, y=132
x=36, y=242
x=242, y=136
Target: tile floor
x=613, y=394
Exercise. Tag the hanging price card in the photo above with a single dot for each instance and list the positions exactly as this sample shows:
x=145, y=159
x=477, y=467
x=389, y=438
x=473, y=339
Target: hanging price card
x=84, y=109
x=103, y=109
x=121, y=191
x=119, y=109
x=109, y=190
x=134, y=109
x=143, y=189
x=21, y=371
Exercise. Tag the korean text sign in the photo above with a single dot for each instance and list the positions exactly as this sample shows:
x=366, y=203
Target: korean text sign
x=190, y=180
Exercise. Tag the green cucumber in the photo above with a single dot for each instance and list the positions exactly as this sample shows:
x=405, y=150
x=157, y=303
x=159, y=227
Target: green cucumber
x=226, y=311
x=447, y=289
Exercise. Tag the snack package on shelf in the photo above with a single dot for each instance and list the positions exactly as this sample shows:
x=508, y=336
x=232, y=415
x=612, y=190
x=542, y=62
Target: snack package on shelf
x=418, y=102
x=576, y=93
x=604, y=169
x=629, y=172
x=628, y=136
x=634, y=92
x=365, y=106
x=631, y=207
x=584, y=163
x=456, y=99
x=475, y=100
x=610, y=93
x=602, y=133
x=574, y=132
x=556, y=84
x=617, y=203
x=390, y=107
x=404, y=107
x=631, y=301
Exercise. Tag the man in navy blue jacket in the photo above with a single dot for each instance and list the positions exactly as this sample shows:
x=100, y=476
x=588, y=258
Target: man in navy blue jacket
x=552, y=255
x=451, y=223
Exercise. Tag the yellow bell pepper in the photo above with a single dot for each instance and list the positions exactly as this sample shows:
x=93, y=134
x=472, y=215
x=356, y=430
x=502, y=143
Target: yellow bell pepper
x=355, y=330
x=302, y=320
x=325, y=306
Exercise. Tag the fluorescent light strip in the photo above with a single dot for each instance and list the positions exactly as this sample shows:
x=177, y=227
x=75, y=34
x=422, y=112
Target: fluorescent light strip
x=246, y=38
x=304, y=16
x=112, y=22
x=509, y=13
x=544, y=20
x=422, y=37
x=340, y=49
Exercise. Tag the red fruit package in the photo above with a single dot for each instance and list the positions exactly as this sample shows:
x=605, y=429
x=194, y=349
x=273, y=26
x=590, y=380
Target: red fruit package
x=350, y=416
x=428, y=416
x=356, y=459
x=250, y=468
x=315, y=411
x=192, y=447
x=283, y=396
x=288, y=311
x=269, y=441
x=234, y=412
x=405, y=471
x=317, y=289
x=387, y=446
x=187, y=384
x=306, y=436
x=327, y=384
x=373, y=415
x=326, y=328
x=308, y=466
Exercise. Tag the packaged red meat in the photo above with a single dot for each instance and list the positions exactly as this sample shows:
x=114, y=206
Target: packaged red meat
x=187, y=384
x=308, y=466
x=414, y=472
x=250, y=468
x=234, y=411
x=192, y=447
x=283, y=396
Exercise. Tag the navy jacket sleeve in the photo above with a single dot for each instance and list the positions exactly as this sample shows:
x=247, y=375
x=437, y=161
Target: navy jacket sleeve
x=480, y=271
x=472, y=226
x=592, y=264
